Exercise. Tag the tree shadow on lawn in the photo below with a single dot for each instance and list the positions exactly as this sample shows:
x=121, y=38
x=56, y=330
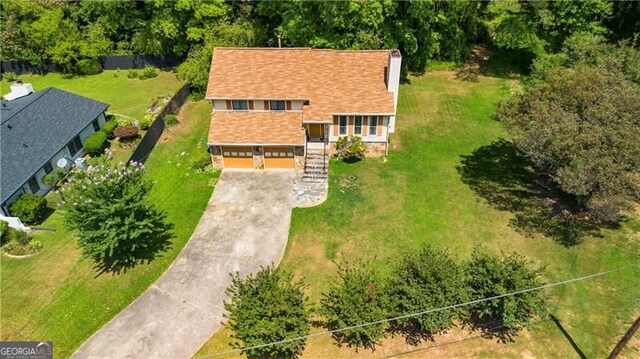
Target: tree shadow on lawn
x=492, y=62
x=153, y=245
x=501, y=175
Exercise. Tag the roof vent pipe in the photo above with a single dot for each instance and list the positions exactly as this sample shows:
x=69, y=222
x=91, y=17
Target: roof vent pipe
x=279, y=41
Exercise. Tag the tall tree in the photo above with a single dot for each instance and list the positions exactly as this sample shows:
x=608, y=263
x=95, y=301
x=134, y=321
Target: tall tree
x=541, y=26
x=267, y=307
x=581, y=125
x=108, y=206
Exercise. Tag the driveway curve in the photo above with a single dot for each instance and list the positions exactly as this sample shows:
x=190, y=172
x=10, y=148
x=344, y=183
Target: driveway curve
x=245, y=226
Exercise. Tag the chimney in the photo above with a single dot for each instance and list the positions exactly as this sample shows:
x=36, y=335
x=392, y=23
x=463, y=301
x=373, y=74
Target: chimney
x=18, y=89
x=393, y=82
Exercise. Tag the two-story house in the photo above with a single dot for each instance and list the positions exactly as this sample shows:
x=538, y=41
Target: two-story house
x=272, y=106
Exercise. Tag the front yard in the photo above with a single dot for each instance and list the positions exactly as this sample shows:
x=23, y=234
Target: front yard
x=452, y=183
x=58, y=295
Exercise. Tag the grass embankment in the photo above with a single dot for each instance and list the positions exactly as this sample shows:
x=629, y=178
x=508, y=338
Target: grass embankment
x=58, y=294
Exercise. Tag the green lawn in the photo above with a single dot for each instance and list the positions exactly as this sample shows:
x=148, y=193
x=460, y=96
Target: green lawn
x=437, y=189
x=130, y=97
x=58, y=295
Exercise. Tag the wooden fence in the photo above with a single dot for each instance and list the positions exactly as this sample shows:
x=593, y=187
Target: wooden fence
x=154, y=131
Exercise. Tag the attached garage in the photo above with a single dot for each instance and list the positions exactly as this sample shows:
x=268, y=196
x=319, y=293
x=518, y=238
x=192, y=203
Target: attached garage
x=279, y=157
x=237, y=157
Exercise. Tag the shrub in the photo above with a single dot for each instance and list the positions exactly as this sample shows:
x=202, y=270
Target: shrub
x=350, y=149
x=147, y=73
x=201, y=164
x=34, y=246
x=267, y=307
x=489, y=275
x=117, y=225
x=60, y=173
x=9, y=76
x=8, y=247
x=132, y=74
x=49, y=179
x=355, y=299
x=95, y=144
x=170, y=120
x=125, y=132
x=146, y=121
x=4, y=225
x=88, y=67
x=109, y=127
x=430, y=278
x=30, y=208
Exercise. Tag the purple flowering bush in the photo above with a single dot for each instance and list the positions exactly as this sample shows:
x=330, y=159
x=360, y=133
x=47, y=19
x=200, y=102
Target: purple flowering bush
x=107, y=205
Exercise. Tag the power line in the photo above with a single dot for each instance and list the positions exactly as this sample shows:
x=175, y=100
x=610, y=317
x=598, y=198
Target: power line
x=240, y=350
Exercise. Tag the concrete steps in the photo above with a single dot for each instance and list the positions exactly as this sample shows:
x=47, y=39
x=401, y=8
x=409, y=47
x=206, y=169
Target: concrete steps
x=316, y=167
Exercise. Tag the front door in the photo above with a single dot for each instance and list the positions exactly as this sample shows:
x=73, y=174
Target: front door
x=316, y=131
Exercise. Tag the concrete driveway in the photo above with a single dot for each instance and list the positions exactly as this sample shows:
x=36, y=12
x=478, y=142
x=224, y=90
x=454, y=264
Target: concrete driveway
x=245, y=226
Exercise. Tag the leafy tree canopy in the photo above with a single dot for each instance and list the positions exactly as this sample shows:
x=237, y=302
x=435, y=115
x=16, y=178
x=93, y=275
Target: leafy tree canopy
x=425, y=280
x=488, y=276
x=581, y=125
x=357, y=297
x=267, y=307
x=116, y=223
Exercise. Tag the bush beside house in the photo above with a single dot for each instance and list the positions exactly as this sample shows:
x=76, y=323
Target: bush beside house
x=95, y=144
x=30, y=208
x=109, y=127
x=350, y=149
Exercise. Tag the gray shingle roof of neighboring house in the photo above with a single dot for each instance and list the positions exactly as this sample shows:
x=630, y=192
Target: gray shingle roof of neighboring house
x=35, y=127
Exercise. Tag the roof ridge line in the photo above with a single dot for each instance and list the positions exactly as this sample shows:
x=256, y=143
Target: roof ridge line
x=41, y=93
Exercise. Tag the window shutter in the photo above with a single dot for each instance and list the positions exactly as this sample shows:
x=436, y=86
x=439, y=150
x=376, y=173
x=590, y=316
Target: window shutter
x=379, y=126
x=350, y=125
x=228, y=104
x=250, y=104
x=288, y=105
x=336, y=125
x=266, y=106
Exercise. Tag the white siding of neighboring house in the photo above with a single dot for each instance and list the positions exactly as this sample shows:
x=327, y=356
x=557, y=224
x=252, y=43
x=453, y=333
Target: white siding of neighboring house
x=86, y=132
x=101, y=120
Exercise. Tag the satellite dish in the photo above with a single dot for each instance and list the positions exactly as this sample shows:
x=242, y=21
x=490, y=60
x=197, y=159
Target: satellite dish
x=63, y=163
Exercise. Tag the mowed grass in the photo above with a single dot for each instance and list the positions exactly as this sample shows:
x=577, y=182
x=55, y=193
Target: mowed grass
x=58, y=294
x=379, y=210
x=130, y=97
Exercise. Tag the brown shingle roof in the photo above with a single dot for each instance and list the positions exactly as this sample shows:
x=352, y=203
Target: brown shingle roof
x=333, y=81
x=256, y=128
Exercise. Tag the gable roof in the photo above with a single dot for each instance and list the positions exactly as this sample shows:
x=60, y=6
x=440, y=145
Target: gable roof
x=334, y=81
x=35, y=127
x=256, y=128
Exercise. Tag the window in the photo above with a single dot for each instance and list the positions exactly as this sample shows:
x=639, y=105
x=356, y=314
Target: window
x=74, y=145
x=373, y=125
x=33, y=185
x=240, y=105
x=276, y=105
x=357, y=129
x=96, y=125
x=48, y=168
x=343, y=125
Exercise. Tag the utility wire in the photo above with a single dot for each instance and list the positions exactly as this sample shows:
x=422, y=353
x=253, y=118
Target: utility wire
x=240, y=350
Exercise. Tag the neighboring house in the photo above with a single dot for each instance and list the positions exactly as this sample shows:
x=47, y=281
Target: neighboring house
x=37, y=129
x=272, y=106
